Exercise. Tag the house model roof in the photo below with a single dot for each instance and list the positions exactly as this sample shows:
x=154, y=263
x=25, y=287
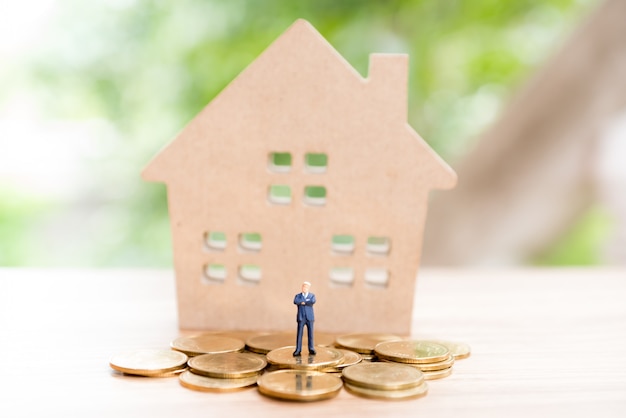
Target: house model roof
x=292, y=172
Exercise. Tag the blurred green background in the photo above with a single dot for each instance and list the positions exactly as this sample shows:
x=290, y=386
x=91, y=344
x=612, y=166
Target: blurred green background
x=90, y=91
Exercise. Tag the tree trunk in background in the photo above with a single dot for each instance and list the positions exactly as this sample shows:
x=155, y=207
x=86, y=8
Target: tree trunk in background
x=533, y=173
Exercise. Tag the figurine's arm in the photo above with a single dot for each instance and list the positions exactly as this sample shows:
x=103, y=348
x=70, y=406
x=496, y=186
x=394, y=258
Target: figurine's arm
x=295, y=299
x=311, y=301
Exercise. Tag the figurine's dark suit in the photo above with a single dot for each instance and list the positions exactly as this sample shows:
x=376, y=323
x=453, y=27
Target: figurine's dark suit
x=305, y=317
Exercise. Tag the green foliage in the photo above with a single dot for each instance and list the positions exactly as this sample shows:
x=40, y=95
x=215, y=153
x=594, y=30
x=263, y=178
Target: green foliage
x=581, y=245
x=19, y=213
x=147, y=67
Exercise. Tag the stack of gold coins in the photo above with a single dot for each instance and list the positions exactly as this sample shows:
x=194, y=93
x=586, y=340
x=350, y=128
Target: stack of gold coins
x=149, y=363
x=350, y=358
x=433, y=359
x=384, y=381
x=224, y=371
x=304, y=382
x=299, y=385
x=373, y=365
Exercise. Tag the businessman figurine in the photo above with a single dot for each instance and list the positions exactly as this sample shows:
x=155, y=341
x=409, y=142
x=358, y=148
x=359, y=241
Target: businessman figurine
x=304, y=301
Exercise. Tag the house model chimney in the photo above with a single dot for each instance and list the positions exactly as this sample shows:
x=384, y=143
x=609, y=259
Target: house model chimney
x=388, y=80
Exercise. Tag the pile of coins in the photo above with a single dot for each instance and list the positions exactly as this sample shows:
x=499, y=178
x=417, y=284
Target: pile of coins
x=385, y=381
x=379, y=366
x=434, y=360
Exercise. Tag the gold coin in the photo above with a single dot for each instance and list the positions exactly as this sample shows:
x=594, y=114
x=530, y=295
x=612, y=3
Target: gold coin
x=440, y=365
x=325, y=357
x=171, y=374
x=383, y=376
x=350, y=358
x=437, y=374
x=206, y=344
x=148, y=362
x=193, y=381
x=263, y=344
x=227, y=365
x=410, y=393
x=363, y=343
x=412, y=351
x=458, y=350
x=299, y=385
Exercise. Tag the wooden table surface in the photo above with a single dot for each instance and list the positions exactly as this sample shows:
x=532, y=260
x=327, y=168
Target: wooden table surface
x=544, y=343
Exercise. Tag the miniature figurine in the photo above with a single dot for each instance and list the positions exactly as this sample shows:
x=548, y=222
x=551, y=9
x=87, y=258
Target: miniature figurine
x=304, y=301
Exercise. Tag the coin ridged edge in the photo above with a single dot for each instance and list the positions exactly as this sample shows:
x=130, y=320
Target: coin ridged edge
x=289, y=396
x=180, y=363
x=169, y=373
x=419, y=378
x=391, y=395
x=252, y=371
x=307, y=366
x=238, y=384
x=437, y=374
x=404, y=358
x=440, y=365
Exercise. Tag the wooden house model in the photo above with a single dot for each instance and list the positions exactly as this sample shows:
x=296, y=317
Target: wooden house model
x=300, y=169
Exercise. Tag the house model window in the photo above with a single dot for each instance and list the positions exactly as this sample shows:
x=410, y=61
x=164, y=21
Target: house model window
x=341, y=276
x=377, y=277
x=315, y=195
x=342, y=244
x=215, y=273
x=279, y=167
x=279, y=194
x=215, y=240
x=250, y=274
x=315, y=163
x=280, y=162
x=378, y=245
x=251, y=241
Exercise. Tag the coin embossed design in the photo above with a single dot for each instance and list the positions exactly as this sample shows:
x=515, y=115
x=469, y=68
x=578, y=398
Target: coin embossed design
x=207, y=344
x=410, y=393
x=299, y=385
x=196, y=382
x=383, y=376
x=457, y=349
x=148, y=362
x=227, y=365
x=173, y=373
x=437, y=374
x=412, y=351
x=440, y=365
x=363, y=343
x=263, y=344
x=325, y=357
x=350, y=358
